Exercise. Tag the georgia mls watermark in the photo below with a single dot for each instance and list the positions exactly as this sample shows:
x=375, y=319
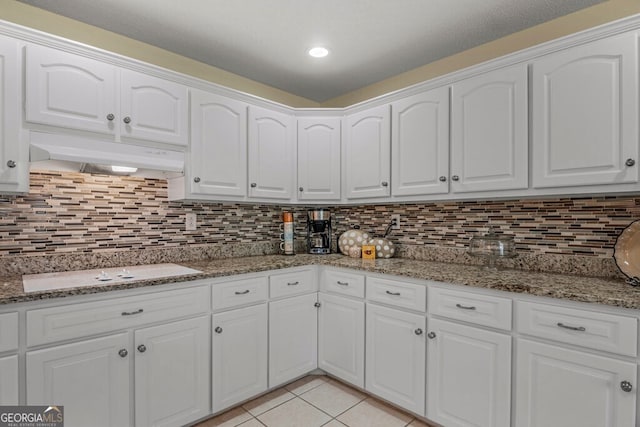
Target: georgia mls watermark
x=31, y=416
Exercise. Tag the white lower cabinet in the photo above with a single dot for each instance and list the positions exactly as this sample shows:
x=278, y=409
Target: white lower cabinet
x=9, y=382
x=558, y=387
x=395, y=349
x=172, y=373
x=341, y=338
x=89, y=378
x=469, y=376
x=239, y=355
x=293, y=338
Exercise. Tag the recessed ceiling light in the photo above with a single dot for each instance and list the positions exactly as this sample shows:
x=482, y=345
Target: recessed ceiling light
x=318, y=52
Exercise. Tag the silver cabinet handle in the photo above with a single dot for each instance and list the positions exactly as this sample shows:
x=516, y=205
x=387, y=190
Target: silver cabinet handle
x=293, y=283
x=127, y=120
x=572, y=328
x=442, y=178
x=431, y=335
x=342, y=283
x=242, y=292
x=11, y=164
x=131, y=313
x=455, y=178
x=218, y=330
x=630, y=162
x=384, y=183
x=626, y=386
x=466, y=307
x=317, y=305
x=123, y=352
x=254, y=185
x=301, y=189
x=110, y=117
x=418, y=331
x=142, y=348
x=196, y=179
x=393, y=293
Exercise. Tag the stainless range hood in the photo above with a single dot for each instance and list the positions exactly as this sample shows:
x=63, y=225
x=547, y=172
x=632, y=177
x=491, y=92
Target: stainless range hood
x=49, y=151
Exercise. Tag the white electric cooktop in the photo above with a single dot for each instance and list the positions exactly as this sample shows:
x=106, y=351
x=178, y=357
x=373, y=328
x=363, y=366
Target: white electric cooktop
x=101, y=277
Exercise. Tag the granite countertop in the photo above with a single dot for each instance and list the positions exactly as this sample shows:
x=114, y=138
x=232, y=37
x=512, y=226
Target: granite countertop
x=576, y=288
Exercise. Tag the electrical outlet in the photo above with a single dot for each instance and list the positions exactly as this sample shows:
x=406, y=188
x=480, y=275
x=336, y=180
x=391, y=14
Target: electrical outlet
x=396, y=221
x=190, y=222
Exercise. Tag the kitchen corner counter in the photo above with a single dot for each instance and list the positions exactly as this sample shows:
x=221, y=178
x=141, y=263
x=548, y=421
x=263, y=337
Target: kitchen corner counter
x=610, y=292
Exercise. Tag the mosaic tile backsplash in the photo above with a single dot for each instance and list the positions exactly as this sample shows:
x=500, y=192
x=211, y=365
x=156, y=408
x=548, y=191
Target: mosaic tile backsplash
x=88, y=216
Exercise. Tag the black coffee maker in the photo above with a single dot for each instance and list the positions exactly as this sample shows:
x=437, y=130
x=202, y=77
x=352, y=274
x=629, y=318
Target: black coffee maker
x=319, y=231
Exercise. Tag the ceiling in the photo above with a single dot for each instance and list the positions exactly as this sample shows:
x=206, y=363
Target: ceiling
x=267, y=40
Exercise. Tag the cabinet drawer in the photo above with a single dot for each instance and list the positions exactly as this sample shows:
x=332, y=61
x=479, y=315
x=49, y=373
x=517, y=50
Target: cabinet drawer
x=600, y=331
x=343, y=283
x=294, y=283
x=397, y=293
x=235, y=293
x=8, y=331
x=479, y=309
x=52, y=324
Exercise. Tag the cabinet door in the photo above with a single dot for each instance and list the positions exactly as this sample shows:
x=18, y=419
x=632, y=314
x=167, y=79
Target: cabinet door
x=271, y=154
x=489, y=133
x=14, y=166
x=172, y=373
x=469, y=376
x=70, y=91
x=420, y=144
x=557, y=387
x=153, y=109
x=367, y=144
x=395, y=348
x=293, y=338
x=341, y=338
x=319, y=159
x=585, y=114
x=218, y=155
x=90, y=378
x=239, y=355
x=9, y=388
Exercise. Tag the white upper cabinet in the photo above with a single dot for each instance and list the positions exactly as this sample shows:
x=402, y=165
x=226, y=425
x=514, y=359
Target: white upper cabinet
x=585, y=114
x=72, y=91
x=319, y=158
x=489, y=133
x=14, y=168
x=218, y=152
x=420, y=144
x=154, y=109
x=367, y=141
x=271, y=154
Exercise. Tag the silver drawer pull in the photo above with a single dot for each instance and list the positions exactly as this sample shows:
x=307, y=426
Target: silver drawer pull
x=393, y=293
x=243, y=292
x=573, y=328
x=131, y=313
x=293, y=283
x=343, y=283
x=466, y=307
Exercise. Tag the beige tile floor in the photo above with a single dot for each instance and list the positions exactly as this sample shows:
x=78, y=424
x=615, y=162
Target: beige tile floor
x=314, y=401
